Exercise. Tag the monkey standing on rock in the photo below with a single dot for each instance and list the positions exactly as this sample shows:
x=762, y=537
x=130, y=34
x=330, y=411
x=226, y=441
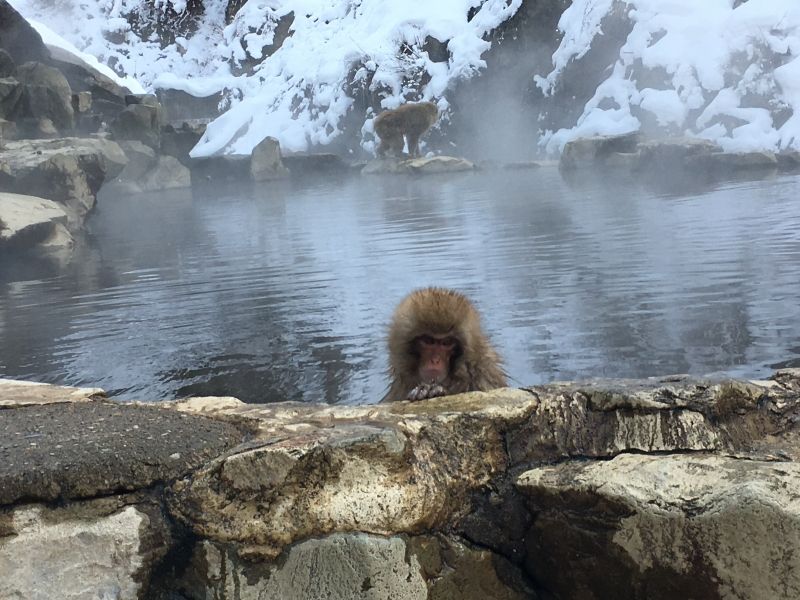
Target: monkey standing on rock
x=409, y=120
x=437, y=347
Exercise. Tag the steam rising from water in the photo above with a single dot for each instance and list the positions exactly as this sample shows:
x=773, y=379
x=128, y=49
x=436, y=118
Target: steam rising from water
x=284, y=292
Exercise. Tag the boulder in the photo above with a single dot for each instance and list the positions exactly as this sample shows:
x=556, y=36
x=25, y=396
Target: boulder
x=18, y=38
x=419, y=166
x=141, y=159
x=45, y=129
x=437, y=164
x=319, y=163
x=8, y=68
x=167, y=174
x=138, y=122
x=46, y=94
x=789, y=160
x=181, y=106
x=265, y=161
x=83, y=77
x=591, y=151
x=356, y=566
x=82, y=102
x=178, y=141
x=223, y=167
x=10, y=95
x=734, y=162
x=679, y=526
x=113, y=543
x=26, y=393
x=675, y=153
x=69, y=171
x=380, y=477
x=8, y=131
x=28, y=221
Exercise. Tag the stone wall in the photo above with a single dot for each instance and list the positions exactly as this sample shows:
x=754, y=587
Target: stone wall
x=658, y=488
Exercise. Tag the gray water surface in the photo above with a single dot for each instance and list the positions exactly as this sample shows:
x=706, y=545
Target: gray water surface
x=283, y=291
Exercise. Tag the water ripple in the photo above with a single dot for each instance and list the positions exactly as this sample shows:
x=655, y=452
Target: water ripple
x=285, y=292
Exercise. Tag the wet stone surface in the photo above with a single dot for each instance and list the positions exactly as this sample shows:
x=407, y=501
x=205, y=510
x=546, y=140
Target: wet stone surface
x=80, y=450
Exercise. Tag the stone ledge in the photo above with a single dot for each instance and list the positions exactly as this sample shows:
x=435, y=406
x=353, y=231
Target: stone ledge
x=568, y=490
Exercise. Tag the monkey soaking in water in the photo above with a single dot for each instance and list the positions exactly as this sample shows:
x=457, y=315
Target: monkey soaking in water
x=437, y=347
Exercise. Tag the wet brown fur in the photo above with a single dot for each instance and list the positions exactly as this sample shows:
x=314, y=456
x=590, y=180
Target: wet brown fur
x=409, y=120
x=441, y=312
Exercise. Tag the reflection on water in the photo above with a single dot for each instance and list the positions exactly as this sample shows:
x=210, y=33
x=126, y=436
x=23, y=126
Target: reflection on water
x=284, y=291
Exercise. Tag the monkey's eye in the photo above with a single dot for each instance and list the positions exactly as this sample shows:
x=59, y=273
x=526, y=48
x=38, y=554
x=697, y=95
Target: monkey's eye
x=429, y=340
x=448, y=342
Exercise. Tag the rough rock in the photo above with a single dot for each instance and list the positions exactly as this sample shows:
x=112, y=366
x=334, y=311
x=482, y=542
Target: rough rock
x=19, y=38
x=46, y=95
x=789, y=161
x=141, y=159
x=438, y=164
x=590, y=151
x=419, y=166
x=265, y=161
x=167, y=174
x=659, y=527
x=14, y=394
x=66, y=170
x=737, y=161
x=311, y=470
x=181, y=106
x=178, y=141
x=8, y=131
x=660, y=488
x=10, y=94
x=8, y=68
x=83, y=77
x=355, y=566
x=82, y=102
x=630, y=152
x=316, y=163
x=674, y=152
x=225, y=167
x=29, y=221
x=88, y=449
x=95, y=549
x=138, y=121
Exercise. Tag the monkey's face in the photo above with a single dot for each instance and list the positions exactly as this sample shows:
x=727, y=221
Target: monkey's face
x=435, y=356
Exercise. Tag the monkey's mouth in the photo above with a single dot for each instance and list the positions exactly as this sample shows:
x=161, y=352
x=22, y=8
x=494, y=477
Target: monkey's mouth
x=433, y=377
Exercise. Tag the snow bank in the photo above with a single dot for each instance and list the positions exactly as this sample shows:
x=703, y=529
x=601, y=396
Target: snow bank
x=729, y=74
x=729, y=71
x=297, y=94
x=51, y=38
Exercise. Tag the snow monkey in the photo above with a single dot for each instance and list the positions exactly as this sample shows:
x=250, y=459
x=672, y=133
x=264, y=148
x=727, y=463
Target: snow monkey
x=411, y=120
x=437, y=347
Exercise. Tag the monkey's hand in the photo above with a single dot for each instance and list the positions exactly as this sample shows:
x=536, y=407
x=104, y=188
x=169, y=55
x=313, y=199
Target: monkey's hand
x=426, y=390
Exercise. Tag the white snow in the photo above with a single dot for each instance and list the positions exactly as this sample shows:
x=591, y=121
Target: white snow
x=716, y=56
x=297, y=94
x=51, y=38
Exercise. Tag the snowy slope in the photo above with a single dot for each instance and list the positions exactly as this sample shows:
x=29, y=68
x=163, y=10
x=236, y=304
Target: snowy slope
x=698, y=67
x=732, y=74
x=297, y=94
